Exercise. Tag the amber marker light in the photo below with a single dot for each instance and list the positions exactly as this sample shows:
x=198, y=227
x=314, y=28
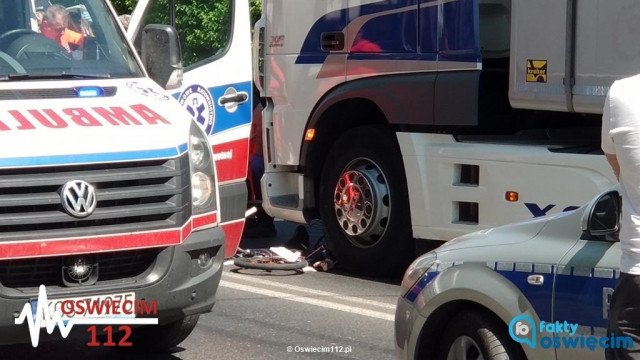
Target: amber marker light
x=511, y=196
x=310, y=134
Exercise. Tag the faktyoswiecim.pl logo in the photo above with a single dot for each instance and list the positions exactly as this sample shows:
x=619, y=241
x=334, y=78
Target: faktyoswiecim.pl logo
x=554, y=335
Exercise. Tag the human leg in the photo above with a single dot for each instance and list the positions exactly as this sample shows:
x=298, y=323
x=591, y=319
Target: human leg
x=624, y=317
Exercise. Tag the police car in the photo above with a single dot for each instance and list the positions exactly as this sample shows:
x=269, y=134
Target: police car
x=533, y=290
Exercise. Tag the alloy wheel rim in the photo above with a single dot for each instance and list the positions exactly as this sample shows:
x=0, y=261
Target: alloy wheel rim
x=464, y=348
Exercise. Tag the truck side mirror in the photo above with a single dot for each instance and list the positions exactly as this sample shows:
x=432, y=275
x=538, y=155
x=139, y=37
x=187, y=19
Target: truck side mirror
x=161, y=55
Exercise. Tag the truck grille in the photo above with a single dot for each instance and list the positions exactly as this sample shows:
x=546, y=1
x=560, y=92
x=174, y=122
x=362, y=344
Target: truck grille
x=132, y=196
x=31, y=273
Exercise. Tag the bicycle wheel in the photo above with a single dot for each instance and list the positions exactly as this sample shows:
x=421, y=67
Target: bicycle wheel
x=268, y=263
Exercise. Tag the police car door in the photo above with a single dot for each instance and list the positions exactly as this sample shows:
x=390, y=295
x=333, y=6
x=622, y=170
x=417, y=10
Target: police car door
x=585, y=279
x=216, y=91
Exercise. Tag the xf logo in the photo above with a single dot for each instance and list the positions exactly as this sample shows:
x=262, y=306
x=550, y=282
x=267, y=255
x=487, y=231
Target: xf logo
x=277, y=41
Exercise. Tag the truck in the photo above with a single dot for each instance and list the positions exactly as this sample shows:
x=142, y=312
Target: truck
x=110, y=192
x=402, y=124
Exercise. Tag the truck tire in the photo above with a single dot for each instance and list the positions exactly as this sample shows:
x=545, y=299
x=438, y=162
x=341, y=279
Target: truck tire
x=472, y=335
x=163, y=337
x=364, y=203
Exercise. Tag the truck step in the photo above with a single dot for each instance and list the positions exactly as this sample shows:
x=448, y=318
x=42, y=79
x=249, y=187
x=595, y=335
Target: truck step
x=291, y=201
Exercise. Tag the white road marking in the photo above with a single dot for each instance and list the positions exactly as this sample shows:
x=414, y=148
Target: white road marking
x=309, y=301
x=267, y=283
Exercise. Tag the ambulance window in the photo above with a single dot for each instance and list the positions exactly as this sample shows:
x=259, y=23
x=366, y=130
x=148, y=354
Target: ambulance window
x=13, y=15
x=66, y=38
x=204, y=35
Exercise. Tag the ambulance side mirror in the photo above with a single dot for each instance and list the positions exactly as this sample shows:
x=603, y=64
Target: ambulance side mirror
x=161, y=55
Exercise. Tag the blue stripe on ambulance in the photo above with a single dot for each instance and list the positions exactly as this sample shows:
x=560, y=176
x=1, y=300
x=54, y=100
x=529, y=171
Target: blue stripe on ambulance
x=93, y=158
x=223, y=119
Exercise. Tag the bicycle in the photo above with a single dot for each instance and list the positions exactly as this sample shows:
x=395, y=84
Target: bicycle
x=268, y=259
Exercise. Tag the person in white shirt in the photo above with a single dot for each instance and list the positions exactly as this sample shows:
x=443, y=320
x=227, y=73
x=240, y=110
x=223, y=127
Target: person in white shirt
x=621, y=145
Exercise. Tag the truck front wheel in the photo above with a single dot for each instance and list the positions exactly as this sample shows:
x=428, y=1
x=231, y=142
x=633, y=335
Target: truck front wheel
x=364, y=204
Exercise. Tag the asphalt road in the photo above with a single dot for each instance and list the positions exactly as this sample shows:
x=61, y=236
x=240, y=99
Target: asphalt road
x=271, y=315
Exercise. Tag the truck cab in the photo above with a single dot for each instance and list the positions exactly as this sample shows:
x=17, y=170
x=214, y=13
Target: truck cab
x=484, y=112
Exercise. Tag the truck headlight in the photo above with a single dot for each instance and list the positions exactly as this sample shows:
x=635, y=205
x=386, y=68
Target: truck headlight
x=416, y=270
x=203, y=178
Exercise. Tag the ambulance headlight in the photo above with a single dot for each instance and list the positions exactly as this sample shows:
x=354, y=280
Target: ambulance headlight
x=203, y=189
x=199, y=151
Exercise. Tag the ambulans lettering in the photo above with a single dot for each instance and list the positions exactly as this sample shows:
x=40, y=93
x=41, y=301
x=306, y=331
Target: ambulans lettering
x=81, y=117
x=24, y=123
x=116, y=116
x=536, y=211
x=31, y=119
x=149, y=115
x=53, y=121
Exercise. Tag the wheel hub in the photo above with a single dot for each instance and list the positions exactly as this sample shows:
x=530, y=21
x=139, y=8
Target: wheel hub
x=464, y=348
x=361, y=202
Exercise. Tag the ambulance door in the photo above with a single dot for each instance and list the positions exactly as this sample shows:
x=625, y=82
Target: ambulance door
x=217, y=90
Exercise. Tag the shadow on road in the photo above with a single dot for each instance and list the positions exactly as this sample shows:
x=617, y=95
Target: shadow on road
x=272, y=273
x=78, y=349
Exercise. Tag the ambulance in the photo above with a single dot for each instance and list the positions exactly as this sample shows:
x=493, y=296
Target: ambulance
x=108, y=187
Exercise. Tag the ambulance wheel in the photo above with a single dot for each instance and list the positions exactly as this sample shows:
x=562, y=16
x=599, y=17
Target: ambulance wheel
x=364, y=203
x=163, y=337
x=472, y=336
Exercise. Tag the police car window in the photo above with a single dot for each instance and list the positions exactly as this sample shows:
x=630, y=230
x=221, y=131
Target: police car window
x=204, y=34
x=42, y=37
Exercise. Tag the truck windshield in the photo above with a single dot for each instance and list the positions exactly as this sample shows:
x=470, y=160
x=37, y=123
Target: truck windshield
x=69, y=39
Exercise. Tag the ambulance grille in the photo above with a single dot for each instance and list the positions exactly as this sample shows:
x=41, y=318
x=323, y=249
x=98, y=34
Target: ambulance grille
x=132, y=197
x=31, y=273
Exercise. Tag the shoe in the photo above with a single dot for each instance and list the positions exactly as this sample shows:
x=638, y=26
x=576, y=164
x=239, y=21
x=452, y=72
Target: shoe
x=299, y=240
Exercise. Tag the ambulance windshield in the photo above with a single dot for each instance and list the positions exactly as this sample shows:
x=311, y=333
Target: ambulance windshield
x=72, y=38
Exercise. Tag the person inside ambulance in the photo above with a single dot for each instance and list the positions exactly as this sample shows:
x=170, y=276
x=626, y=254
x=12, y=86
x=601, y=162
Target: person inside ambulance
x=54, y=25
x=41, y=7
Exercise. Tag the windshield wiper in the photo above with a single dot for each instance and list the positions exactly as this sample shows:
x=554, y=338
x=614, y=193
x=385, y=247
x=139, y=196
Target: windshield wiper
x=13, y=77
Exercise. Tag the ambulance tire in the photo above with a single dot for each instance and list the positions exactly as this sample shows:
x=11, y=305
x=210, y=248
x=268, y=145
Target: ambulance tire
x=367, y=238
x=163, y=337
x=473, y=335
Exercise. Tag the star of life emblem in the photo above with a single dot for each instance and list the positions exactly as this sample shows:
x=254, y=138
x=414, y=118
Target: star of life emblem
x=198, y=102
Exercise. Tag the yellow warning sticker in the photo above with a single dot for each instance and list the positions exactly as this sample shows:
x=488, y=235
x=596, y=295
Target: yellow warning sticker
x=537, y=71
